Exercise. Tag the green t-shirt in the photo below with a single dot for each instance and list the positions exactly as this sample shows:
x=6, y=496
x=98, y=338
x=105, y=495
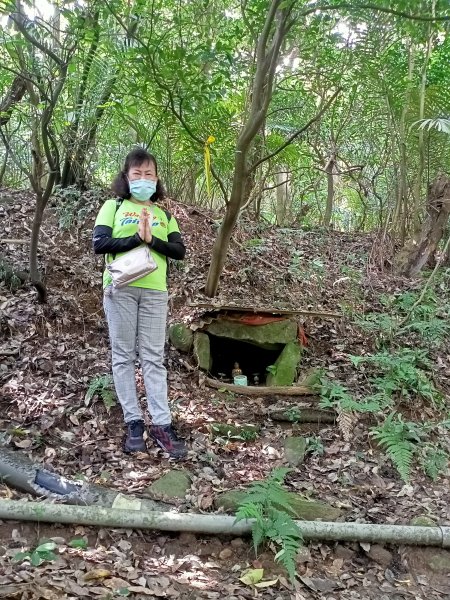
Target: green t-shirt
x=124, y=223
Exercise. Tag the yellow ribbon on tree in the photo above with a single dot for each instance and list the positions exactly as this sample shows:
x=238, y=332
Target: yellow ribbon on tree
x=209, y=141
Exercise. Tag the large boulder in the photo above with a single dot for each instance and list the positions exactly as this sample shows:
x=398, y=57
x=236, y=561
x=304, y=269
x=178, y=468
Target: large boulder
x=181, y=337
x=270, y=336
x=286, y=365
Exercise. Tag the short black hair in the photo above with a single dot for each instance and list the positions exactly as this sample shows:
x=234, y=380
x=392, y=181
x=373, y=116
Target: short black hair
x=136, y=158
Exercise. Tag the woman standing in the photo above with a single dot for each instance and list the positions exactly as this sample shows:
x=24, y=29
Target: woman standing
x=138, y=311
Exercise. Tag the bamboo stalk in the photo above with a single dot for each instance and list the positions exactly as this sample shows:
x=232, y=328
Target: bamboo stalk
x=133, y=518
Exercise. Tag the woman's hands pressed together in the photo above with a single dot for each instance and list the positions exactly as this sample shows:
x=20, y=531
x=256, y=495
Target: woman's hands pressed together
x=145, y=227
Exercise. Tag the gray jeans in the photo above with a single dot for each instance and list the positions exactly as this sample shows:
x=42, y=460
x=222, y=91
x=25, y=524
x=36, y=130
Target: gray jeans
x=138, y=314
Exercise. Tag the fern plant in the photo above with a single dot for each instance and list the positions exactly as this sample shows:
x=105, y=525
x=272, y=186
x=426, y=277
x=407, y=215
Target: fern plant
x=335, y=396
x=434, y=460
x=103, y=387
x=399, y=439
x=269, y=505
x=428, y=319
x=401, y=372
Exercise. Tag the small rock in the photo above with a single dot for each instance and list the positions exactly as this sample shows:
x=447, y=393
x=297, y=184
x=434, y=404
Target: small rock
x=208, y=471
x=225, y=553
x=294, y=450
x=440, y=562
x=423, y=521
x=58, y=540
x=187, y=539
x=237, y=543
x=344, y=552
x=380, y=555
x=303, y=555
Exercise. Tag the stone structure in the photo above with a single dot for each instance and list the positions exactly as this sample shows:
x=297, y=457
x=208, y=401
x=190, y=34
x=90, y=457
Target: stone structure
x=226, y=339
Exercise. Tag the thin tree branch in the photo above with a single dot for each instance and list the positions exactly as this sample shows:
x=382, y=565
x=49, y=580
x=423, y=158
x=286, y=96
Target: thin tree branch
x=284, y=108
x=297, y=133
x=391, y=11
x=34, y=41
x=16, y=161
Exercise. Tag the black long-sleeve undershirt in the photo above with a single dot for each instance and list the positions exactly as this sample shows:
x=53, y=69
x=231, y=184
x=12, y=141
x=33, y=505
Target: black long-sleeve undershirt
x=104, y=243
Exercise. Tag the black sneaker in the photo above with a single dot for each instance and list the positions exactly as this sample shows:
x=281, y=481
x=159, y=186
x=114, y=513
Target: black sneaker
x=134, y=441
x=168, y=440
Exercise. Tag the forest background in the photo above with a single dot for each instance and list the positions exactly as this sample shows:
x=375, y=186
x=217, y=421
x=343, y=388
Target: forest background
x=304, y=113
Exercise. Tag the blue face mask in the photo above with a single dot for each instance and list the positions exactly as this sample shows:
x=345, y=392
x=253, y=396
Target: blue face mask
x=142, y=189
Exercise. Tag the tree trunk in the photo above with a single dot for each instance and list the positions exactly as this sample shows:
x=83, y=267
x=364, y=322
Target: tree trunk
x=77, y=169
x=269, y=43
x=4, y=165
x=223, y=238
x=401, y=210
x=68, y=176
x=282, y=190
x=34, y=269
x=13, y=97
x=417, y=188
x=418, y=252
x=330, y=171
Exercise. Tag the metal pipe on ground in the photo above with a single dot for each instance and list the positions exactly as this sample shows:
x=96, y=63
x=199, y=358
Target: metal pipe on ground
x=139, y=518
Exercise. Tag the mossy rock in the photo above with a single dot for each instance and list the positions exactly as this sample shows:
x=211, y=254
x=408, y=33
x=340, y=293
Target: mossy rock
x=181, y=337
x=423, y=521
x=245, y=433
x=311, y=377
x=171, y=486
x=271, y=336
x=296, y=414
x=308, y=510
x=286, y=365
x=202, y=351
x=295, y=450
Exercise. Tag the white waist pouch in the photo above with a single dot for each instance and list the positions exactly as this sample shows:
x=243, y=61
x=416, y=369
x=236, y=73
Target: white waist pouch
x=130, y=267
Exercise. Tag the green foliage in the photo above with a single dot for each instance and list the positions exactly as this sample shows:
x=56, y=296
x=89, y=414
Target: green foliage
x=434, y=459
x=401, y=373
x=333, y=395
x=303, y=268
x=79, y=543
x=400, y=441
x=254, y=243
x=428, y=319
x=315, y=446
x=406, y=441
x=72, y=206
x=42, y=553
x=9, y=277
x=103, y=387
x=292, y=414
x=272, y=369
x=269, y=505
